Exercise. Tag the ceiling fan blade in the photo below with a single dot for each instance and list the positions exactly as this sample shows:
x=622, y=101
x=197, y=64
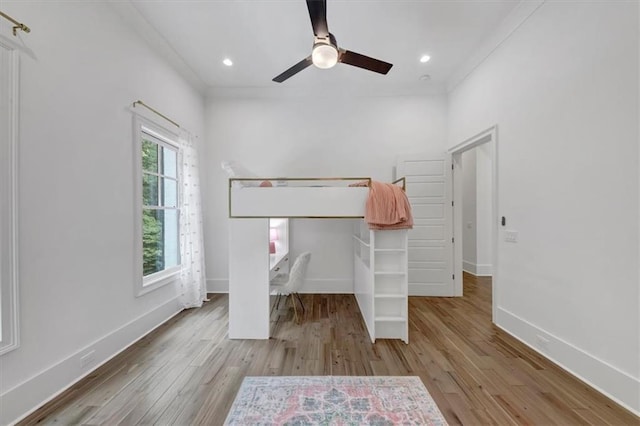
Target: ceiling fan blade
x=362, y=61
x=318, y=15
x=293, y=70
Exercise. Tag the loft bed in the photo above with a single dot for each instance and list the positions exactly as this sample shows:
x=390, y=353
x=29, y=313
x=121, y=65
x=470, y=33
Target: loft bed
x=312, y=198
x=380, y=256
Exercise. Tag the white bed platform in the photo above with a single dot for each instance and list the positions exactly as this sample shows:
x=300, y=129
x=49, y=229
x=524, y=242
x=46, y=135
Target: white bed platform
x=381, y=290
x=298, y=201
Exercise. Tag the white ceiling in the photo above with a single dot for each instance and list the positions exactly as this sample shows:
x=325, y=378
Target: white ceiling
x=265, y=37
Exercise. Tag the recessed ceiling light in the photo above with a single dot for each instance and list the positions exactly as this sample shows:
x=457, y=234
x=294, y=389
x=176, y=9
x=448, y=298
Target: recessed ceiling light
x=425, y=58
x=228, y=62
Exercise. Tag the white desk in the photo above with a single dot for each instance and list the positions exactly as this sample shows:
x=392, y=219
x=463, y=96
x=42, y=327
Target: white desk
x=278, y=264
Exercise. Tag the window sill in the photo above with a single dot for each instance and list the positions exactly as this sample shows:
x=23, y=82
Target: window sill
x=157, y=280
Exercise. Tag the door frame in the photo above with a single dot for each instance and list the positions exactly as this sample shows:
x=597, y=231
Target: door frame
x=489, y=136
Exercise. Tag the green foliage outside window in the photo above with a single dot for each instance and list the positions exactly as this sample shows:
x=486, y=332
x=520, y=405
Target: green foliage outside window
x=152, y=232
x=152, y=250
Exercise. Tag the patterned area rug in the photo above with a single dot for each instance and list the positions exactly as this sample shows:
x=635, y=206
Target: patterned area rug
x=334, y=400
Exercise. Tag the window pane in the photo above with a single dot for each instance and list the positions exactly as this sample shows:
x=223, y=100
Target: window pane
x=169, y=162
x=149, y=156
x=152, y=241
x=149, y=190
x=171, y=241
x=170, y=192
x=160, y=242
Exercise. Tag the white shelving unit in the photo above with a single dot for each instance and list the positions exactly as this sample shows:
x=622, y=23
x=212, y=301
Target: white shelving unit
x=380, y=281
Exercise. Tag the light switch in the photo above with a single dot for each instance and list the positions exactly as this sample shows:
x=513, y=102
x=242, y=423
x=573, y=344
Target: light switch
x=511, y=236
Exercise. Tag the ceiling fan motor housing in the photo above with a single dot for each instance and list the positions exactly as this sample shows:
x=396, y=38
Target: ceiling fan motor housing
x=325, y=52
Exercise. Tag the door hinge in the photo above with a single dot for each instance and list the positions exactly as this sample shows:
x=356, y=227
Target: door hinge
x=451, y=166
x=453, y=239
x=452, y=204
x=453, y=277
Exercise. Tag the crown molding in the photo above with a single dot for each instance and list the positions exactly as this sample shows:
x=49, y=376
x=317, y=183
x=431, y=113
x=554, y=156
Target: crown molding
x=126, y=10
x=279, y=91
x=502, y=32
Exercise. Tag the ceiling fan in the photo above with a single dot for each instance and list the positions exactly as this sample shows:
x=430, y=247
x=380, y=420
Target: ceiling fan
x=325, y=53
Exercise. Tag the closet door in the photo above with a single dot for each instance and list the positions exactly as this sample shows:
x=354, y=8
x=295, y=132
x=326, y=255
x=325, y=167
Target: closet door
x=430, y=248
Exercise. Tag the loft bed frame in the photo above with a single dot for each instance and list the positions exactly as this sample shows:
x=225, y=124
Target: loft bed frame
x=299, y=201
x=380, y=256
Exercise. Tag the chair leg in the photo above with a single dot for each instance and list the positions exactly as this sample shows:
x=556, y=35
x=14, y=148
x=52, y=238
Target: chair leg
x=276, y=305
x=301, y=303
x=295, y=308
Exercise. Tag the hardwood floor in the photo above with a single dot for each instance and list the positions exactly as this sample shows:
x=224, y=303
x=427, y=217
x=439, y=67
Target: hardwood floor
x=187, y=372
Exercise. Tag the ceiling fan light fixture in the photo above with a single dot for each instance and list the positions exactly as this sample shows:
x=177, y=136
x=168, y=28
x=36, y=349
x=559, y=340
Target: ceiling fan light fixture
x=324, y=55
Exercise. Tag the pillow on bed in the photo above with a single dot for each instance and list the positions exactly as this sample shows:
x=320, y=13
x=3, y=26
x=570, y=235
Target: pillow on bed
x=237, y=170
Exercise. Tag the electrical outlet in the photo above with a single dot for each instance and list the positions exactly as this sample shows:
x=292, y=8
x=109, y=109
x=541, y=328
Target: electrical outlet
x=511, y=236
x=87, y=359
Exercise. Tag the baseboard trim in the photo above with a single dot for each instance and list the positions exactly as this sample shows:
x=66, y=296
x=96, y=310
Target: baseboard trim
x=469, y=267
x=25, y=398
x=317, y=286
x=479, y=270
x=327, y=286
x=607, y=379
x=431, y=290
x=218, y=285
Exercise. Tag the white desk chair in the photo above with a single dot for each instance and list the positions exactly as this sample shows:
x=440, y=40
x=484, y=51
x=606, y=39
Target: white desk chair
x=291, y=286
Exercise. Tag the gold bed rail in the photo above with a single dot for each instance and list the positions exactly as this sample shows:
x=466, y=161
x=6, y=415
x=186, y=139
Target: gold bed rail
x=298, y=179
x=302, y=179
x=403, y=179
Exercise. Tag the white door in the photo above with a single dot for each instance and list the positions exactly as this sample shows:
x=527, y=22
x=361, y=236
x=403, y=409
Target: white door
x=428, y=186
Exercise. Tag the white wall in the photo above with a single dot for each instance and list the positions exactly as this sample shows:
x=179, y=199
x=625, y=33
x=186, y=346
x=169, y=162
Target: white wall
x=310, y=136
x=483, y=210
x=563, y=90
x=476, y=210
x=75, y=188
x=469, y=246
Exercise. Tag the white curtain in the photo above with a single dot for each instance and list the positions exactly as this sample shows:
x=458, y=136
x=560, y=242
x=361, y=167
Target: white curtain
x=192, y=275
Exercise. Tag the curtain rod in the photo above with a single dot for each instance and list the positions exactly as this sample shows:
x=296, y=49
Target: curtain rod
x=18, y=25
x=155, y=111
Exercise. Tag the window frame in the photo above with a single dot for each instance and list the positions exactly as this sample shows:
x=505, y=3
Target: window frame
x=9, y=320
x=168, y=139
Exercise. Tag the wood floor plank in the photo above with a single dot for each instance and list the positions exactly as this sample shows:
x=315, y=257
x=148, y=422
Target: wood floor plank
x=187, y=372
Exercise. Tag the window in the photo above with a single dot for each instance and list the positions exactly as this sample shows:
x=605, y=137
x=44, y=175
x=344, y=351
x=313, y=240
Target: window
x=158, y=196
x=8, y=198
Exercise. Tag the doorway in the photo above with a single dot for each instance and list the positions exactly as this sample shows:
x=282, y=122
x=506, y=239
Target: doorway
x=475, y=210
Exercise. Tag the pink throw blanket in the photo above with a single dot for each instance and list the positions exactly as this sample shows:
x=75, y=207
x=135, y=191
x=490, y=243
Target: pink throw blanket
x=388, y=207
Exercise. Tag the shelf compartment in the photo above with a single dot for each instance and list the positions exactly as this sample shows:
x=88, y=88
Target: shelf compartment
x=390, y=284
x=392, y=330
x=390, y=296
x=390, y=261
x=391, y=239
x=390, y=308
